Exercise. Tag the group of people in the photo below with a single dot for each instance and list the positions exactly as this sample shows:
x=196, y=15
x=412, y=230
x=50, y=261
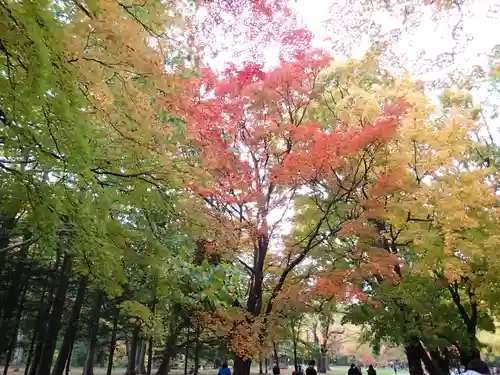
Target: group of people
x=310, y=370
x=355, y=370
x=475, y=367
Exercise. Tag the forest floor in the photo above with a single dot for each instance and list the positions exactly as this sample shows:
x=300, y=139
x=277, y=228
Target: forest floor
x=336, y=370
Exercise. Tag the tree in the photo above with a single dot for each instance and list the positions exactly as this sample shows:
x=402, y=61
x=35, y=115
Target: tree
x=260, y=150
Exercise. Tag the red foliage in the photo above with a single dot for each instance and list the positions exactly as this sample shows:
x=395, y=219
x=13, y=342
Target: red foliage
x=367, y=359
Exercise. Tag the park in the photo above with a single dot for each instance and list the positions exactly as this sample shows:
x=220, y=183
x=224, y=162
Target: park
x=189, y=184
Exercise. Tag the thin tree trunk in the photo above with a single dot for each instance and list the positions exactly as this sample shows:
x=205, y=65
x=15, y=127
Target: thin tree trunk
x=133, y=351
x=197, y=348
x=13, y=341
x=112, y=344
x=295, y=363
x=261, y=368
x=70, y=355
x=43, y=317
x=266, y=365
x=150, y=355
x=36, y=332
x=71, y=330
x=92, y=334
x=55, y=319
x=139, y=361
x=186, y=353
x=11, y=299
x=323, y=360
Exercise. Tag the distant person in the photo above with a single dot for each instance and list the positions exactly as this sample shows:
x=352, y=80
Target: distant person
x=300, y=371
x=476, y=366
x=276, y=369
x=371, y=370
x=311, y=370
x=359, y=370
x=352, y=370
x=395, y=369
x=224, y=370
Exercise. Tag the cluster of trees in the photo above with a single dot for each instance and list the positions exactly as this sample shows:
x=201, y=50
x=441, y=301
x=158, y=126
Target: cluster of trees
x=147, y=199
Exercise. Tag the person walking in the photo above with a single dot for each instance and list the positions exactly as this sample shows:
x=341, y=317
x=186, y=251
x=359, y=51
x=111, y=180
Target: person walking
x=276, y=369
x=371, y=370
x=352, y=370
x=224, y=370
x=311, y=370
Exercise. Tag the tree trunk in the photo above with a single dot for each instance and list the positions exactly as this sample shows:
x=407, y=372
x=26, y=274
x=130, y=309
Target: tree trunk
x=139, y=360
x=186, y=353
x=261, y=368
x=242, y=366
x=266, y=364
x=11, y=300
x=197, y=348
x=36, y=332
x=112, y=343
x=13, y=341
x=165, y=362
x=93, y=331
x=323, y=360
x=71, y=330
x=150, y=355
x=413, y=356
x=295, y=363
x=70, y=355
x=440, y=361
x=55, y=319
x=133, y=351
x=41, y=325
x=429, y=365
x=275, y=353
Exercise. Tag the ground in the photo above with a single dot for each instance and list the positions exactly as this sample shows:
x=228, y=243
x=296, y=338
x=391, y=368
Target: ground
x=337, y=370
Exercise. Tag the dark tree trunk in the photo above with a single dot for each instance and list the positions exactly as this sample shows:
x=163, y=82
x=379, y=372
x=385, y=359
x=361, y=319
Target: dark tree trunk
x=165, y=362
x=70, y=355
x=323, y=359
x=197, y=348
x=441, y=361
x=295, y=363
x=133, y=351
x=71, y=330
x=13, y=340
x=150, y=355
x=39, y=327
x=429, y=365
x=88, y=369
x=261, y=367
x=112, y=343
x=55, y=319
x=275, y=353
x=242, y=366
x=266, y=364
x=186, y=353
x=11, y=300
x=139, y=361
x=413, y=356
x=43, y=316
